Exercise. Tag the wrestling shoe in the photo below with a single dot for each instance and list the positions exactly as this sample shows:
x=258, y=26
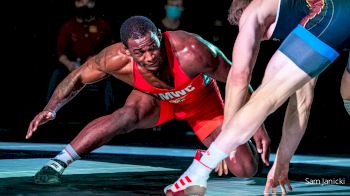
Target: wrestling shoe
x=51, y=173
x=192, y=182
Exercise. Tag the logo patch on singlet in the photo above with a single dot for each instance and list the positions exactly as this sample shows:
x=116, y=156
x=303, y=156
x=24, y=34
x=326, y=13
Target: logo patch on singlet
x=206, y=79
x=180, y=94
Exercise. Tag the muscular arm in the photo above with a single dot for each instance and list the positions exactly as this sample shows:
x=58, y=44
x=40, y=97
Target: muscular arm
x=295, y=122
x=111, y=60
x=294, y=126
x=199, y=56
x=215, y=63
x=72, y=85
x=93, y=70
x=254, y=23
x=244, y=55
x=65, y=91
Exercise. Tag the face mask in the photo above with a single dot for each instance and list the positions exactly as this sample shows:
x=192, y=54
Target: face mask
x=173, y=12
x=85, y=13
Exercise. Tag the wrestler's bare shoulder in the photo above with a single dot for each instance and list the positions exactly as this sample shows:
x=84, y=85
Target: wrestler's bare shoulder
x=191, y=50
x=114, y=58
x=186, y=44
x=181, y=38
x=264, y=11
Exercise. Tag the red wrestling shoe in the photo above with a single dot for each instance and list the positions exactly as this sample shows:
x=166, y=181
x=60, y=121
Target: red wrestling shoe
x=191, y=182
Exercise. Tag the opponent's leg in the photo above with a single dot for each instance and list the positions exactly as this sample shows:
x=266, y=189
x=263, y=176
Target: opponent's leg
x=206, y=123
x=140, y=111
x=345, y=87
x=265, y=99
x=245, y=164
x=246, y=160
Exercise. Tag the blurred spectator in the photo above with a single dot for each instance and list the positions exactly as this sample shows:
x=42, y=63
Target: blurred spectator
x=221, y=35
x=81, y=37
x=172, y=19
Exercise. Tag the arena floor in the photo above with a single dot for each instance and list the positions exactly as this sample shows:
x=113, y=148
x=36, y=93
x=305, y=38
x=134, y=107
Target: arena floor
x=131, y=170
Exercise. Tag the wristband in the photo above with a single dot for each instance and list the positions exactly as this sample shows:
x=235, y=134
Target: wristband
x=53, y=113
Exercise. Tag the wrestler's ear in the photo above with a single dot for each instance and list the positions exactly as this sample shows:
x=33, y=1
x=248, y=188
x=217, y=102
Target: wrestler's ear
x=127, y=51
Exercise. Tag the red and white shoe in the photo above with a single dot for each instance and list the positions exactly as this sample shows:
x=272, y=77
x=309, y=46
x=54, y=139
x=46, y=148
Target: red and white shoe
x=193, y=181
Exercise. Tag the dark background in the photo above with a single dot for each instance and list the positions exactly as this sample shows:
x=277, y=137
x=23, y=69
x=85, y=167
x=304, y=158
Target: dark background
x=28, y=56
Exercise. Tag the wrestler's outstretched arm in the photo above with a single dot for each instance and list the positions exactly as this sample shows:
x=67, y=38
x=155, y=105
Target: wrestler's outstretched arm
x=91, y=71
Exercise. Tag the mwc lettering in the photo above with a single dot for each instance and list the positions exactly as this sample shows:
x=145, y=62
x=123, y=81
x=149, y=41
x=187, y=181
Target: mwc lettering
x=176, y=94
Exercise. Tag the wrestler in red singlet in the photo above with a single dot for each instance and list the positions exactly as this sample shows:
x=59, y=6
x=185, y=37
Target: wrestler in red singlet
x=197, y=100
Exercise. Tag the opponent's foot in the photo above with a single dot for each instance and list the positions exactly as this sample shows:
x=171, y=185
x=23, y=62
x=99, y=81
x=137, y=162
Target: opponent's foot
x=51, y=173
x=192, y=182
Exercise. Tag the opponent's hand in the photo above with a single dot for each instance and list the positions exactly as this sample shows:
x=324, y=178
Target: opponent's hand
x=278, y=175
x=262, y=141
x=41, y=118
x=222, y=168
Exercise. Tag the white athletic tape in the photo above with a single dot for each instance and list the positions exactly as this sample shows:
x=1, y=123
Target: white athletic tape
x=347, y=105
x=53, y=113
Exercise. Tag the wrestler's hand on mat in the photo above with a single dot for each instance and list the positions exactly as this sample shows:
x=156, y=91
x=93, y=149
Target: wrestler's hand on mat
x=278, y=175
x=262, y=141
x=41, y=118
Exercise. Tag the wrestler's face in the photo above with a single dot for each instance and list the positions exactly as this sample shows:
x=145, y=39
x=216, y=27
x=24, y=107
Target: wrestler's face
x=146, y=51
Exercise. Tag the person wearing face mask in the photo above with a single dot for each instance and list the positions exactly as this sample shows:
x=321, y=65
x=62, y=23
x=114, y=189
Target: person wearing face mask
x=80, y=38
x=85, y=11
x=171, y=21
x=173, y=12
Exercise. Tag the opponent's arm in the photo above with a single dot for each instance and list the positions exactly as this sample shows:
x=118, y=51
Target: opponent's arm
x=254, y=23
x=244, y=55
x=294, y=126
x=218, y=66
x=295, y=121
